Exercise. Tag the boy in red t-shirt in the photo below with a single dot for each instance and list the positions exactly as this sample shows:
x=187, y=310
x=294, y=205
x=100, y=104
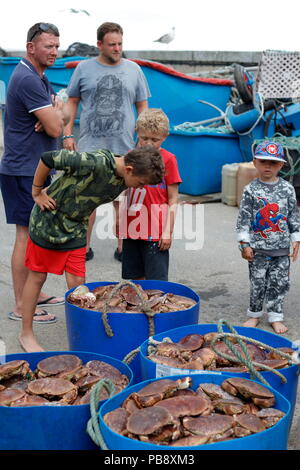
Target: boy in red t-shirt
x=146, y=217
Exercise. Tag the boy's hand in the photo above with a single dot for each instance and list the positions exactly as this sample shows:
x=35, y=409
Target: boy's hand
x=294, y=254
x=44, y=201
x=164, y=243
x=247, y=253
x=70, y=144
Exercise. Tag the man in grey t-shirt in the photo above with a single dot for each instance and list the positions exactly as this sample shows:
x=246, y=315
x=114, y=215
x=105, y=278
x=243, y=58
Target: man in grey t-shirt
x=108, y=88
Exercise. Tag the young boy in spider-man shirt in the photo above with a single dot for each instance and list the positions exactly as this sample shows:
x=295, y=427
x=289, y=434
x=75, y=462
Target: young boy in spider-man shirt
x=268, y=224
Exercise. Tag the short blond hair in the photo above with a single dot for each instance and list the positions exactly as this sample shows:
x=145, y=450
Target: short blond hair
x=153, y=120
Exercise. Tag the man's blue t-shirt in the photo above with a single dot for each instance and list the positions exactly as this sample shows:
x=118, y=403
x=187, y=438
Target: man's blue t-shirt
x=27, y=92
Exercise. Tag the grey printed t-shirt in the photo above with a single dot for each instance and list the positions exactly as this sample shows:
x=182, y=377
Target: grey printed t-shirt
x=107, y=94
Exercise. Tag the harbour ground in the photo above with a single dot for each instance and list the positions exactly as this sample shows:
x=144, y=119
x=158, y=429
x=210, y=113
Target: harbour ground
x=215, y=270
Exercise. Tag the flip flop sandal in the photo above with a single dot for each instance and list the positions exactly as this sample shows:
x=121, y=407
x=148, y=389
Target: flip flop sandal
x=47, y=302
x=14, y=316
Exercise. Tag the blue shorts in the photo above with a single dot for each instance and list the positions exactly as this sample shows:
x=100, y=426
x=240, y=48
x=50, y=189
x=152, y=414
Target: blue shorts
x=142, y=258
x=17, y=198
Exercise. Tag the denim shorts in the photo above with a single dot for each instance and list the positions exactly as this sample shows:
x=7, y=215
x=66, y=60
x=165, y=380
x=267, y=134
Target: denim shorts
x=17, y=198
x=143, y=258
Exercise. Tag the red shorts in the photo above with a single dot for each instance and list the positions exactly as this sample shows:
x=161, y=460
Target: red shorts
x=54, y=261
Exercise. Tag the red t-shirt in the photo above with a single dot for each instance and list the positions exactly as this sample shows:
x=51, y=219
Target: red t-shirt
x=143, y=211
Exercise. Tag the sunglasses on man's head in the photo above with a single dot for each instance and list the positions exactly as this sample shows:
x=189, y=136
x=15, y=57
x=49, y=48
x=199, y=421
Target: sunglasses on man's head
x=43, y=28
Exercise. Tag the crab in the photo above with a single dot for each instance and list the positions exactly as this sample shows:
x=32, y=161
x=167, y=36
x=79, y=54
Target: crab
x=192, y=342
x=154, y=424
x=169, y=412
x=157, y=391
x=214, y=427
x=270, y=416
x=60, y=390
x=117, y=420
x=246, y=424
x=127, y=300
x=207, y=356
x=96, y=370
x=10, y=395
x=30, y=400
x=12, y=368
x=82, y=296
x=258, y=394
x=63, y=366
x=173, y=350
x=180, y=406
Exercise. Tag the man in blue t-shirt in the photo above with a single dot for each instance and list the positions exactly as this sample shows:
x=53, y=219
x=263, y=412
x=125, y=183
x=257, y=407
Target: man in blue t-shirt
x=34, y=119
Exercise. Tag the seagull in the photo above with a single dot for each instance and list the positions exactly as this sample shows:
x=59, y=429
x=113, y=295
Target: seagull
x=72, y=10
x=166, y=38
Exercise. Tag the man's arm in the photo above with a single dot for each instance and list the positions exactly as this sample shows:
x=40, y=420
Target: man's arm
x=72, y=105
x=141, y=105
x=52, y=118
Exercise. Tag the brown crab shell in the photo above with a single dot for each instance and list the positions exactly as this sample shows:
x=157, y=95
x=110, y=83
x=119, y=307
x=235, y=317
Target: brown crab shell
x=192, y=342
x=62, y=365
x=228, y=407
x=173, y=350
x=169, y=361
x=30, y=400
x=148, y=420
x=51, y=387
x=164, y=435
x=184, y=405
x=117, y=420
x=165, y=386
x=275, y=355
x=208, y=426
x=17, y=381
x=250, y=422
x=260, y=395
x=207, y=356
x=270, y=416
x=129, y=294
x=274, y=363
x=11, y=368
x=104, y=370
x=216, y=392
x=10, y=395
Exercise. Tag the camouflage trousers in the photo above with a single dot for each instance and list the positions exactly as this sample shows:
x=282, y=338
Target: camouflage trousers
x=269, y=284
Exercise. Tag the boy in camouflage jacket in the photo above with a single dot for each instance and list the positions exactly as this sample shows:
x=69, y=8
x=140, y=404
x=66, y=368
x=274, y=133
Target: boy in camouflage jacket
x=59, y=219
x=268, y=223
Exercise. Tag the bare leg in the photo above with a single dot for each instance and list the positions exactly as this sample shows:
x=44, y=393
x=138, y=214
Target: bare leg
x=74, y=281
x=279, y=327
x=31, y=291
x=252, y=322
x=19, y=270
x=90, y=229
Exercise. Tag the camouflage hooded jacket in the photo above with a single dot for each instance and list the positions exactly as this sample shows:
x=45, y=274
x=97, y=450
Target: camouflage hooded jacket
x=268, y=217
x=89, y=179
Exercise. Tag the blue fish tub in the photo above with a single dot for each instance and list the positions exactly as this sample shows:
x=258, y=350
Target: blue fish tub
x=50, y=427
x=86, y=330
x=274, y=438
x=289, y=389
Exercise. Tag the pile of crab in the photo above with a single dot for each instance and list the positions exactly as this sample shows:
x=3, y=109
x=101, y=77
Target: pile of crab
x=169, y=412
x=200, y=352
x=128, y=299
x=58, y=380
